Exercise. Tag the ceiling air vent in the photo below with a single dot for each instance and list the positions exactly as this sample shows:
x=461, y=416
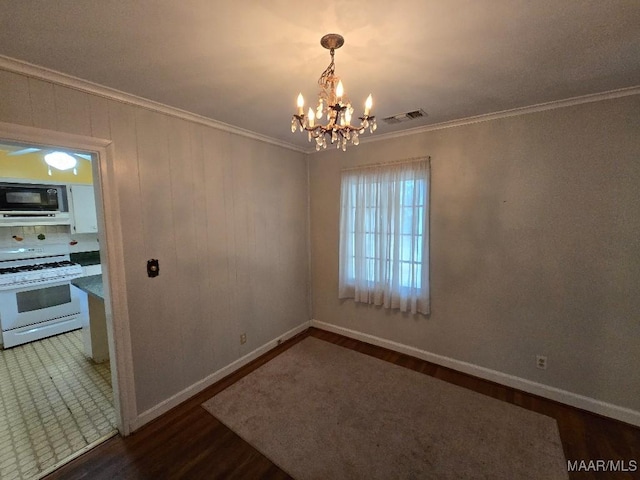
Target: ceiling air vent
x=405, y=117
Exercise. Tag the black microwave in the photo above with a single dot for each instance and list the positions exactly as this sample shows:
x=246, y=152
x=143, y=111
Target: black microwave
x=31, y=198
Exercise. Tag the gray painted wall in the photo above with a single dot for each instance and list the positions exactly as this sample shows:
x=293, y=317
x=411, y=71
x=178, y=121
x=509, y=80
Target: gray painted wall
x=226, y=215
x=535, y=227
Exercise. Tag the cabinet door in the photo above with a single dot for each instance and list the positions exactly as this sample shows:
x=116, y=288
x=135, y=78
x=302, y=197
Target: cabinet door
x=84, y=219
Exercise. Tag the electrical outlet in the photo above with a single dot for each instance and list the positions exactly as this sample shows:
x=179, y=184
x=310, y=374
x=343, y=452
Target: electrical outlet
x=541, y=362
x=243, y=338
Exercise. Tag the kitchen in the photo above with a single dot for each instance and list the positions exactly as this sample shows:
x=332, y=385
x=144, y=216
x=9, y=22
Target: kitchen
x=51, y=309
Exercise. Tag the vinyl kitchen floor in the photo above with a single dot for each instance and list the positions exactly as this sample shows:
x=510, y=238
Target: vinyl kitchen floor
x=53, y=403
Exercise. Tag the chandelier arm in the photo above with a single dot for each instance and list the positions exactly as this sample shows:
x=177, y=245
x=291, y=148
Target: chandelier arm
x=300, y=119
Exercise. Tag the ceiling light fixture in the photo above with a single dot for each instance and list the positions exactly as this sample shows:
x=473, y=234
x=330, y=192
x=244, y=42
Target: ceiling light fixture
x=333, y=105
x=61, y=161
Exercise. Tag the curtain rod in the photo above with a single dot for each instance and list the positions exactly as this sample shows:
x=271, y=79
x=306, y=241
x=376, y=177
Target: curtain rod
x=383, y=164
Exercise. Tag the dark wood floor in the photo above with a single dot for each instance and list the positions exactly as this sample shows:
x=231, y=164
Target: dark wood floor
x=189, y=443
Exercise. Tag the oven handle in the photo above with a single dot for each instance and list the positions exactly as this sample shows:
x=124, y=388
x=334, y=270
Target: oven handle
x=25, y=287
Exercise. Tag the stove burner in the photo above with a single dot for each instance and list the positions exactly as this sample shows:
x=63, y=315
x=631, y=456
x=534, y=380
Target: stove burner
x=9, y=270
x=37, y=266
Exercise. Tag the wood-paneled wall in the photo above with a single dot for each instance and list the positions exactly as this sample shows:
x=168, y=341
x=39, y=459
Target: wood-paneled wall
x=226, y=215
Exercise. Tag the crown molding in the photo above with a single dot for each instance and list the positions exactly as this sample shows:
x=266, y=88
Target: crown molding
x=540, y=107
x=42, y=73
x=35, y=71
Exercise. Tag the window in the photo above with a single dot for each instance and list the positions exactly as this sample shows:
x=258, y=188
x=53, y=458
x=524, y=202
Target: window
x=384, y=235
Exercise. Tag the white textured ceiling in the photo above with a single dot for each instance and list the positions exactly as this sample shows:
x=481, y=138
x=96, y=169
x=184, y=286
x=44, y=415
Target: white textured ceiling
x=243, y=62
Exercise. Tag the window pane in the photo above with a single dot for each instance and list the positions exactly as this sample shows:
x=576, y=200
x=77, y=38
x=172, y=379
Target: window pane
x=420, y=190
x=405, y=269
x=405, y=248
x=369, y=245
x=417, y=248
x=408, y=192
x=371, y=270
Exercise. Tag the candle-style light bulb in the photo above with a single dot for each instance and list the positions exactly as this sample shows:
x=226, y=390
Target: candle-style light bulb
x=347, y=116
x=339, y=91
x=300, y=104
x=312, y=117
x=367, y=105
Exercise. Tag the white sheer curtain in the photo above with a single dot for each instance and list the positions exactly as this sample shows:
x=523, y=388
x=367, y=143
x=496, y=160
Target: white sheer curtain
x=384, y=235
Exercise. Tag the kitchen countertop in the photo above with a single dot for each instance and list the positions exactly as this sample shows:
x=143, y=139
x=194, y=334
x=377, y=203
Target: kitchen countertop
x=91, y=284
x=86, y=258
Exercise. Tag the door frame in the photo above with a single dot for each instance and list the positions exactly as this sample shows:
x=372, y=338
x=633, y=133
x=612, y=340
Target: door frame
x=112, y=256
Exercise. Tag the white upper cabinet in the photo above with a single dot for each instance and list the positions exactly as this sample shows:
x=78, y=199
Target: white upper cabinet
x=83, y=206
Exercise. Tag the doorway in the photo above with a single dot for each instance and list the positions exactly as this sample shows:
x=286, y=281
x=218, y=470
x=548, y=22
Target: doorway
x=59, y=370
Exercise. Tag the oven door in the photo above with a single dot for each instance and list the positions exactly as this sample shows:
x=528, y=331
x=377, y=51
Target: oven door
x=33, y=304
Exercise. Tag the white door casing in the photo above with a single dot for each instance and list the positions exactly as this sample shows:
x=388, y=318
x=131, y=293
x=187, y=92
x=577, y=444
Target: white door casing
x=110, y=238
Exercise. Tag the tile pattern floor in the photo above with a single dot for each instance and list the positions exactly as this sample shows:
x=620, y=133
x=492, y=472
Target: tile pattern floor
x=53, y=403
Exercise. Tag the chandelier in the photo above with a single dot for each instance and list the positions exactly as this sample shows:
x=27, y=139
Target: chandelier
x=334, y=106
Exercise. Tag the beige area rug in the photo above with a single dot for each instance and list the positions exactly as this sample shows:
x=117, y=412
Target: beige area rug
x=320, y=411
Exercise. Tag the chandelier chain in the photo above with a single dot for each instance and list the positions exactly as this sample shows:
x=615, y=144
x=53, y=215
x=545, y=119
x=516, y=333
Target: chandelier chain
x=329, y=71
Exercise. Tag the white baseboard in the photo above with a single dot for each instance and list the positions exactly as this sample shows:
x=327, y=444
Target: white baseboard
x=563, y=396
x=178, y=398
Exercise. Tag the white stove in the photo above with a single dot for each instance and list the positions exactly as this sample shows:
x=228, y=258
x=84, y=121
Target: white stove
x=37, y=299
